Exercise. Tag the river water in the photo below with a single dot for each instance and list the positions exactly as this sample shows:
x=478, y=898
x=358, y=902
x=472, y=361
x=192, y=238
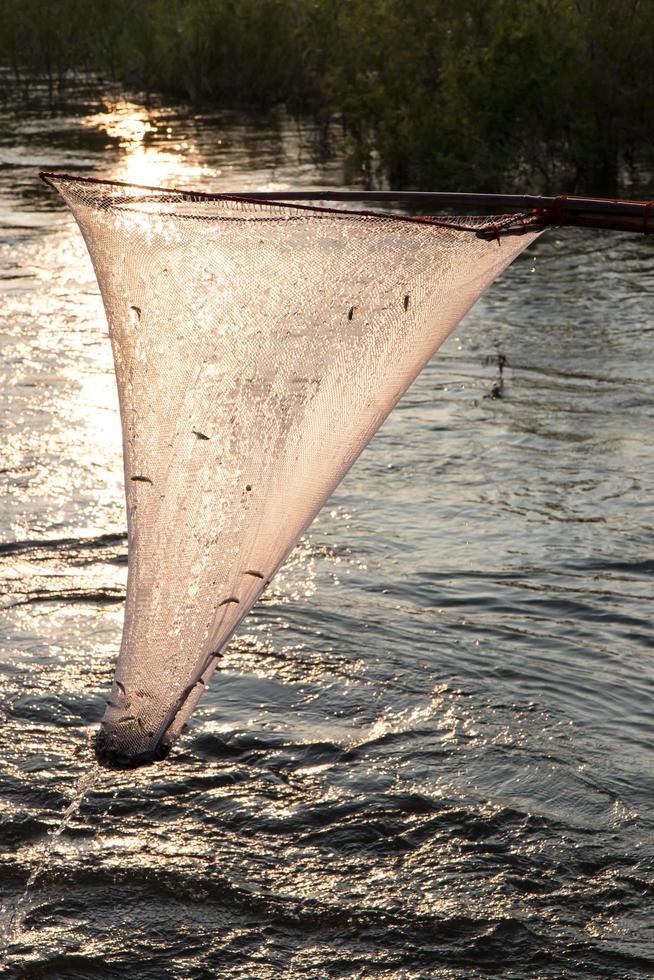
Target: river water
x=429, y=751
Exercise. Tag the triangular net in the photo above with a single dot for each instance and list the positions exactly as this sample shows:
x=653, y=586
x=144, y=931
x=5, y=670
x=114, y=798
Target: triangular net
x=258, y=348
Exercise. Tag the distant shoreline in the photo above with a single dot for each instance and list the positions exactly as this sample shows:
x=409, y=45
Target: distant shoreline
x=504, y=96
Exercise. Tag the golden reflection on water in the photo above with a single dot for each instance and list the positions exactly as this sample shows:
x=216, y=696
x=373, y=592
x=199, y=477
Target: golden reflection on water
x=67, y=424
x=257, y=813
x=140, y=132
x=124, y=121
x=92, y=401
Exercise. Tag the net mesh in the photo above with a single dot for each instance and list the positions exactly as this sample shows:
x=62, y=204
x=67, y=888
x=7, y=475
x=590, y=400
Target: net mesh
x=257, y=347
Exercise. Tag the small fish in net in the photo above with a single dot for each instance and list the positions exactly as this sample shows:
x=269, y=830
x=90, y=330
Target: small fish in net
x=258, y=347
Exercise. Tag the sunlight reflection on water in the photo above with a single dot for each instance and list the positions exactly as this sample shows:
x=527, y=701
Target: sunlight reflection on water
x=429, y=751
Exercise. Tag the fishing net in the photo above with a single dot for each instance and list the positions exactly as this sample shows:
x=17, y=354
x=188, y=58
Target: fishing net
x=257, y=347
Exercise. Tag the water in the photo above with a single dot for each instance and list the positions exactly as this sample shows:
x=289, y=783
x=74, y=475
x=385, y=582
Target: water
x=14, y=918
x=429, y=752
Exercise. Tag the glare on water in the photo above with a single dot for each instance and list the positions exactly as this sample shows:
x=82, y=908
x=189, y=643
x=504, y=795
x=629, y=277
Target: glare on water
x=428, y=752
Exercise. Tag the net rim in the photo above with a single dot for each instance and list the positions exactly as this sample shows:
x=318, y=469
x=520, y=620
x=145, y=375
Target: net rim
x=488, y=226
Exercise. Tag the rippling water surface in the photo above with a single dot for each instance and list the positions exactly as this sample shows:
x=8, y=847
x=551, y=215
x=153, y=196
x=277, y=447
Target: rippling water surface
x=429, y=752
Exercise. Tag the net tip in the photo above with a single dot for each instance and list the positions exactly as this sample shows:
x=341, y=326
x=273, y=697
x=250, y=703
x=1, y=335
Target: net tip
x=112, y=755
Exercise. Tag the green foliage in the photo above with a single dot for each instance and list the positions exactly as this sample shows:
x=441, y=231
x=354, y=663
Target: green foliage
x=451, y=94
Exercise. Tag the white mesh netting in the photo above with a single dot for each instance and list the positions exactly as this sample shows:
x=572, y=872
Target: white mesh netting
x=257, y=347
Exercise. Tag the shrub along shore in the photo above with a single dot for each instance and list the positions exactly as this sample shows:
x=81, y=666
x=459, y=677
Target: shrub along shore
x=481, y=95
